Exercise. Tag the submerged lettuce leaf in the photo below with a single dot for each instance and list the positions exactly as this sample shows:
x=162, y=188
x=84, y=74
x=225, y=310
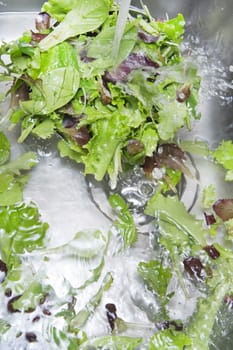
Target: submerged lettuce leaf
x=156, y=276
x=12, y=173
x=4, y=149
x=169, y=340
x=21, y=230
x=124, y=223
x=112, y=343
x=171, y=210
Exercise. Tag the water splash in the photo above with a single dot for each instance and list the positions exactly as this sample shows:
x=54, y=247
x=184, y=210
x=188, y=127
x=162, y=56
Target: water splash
x=120, y=26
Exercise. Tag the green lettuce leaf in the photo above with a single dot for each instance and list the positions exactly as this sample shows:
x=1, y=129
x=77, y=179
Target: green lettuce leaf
x=86, y=16
x=107, y=135
x=54, y=90
x=4, y=148
x=156, y=276
x=24, y=162
x=58, y=9
x=224, y=155
x=112, y=343
x=102, y=46
x=21, y=230
x=80, y=319
x=208, y=197
x=124, y=223
x=12, y=173
x=170, y=340
x=172, y=210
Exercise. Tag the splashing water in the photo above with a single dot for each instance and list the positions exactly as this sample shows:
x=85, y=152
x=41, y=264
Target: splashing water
x=120, y=26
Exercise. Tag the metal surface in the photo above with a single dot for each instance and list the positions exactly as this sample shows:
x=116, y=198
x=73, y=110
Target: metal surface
x=209, y=40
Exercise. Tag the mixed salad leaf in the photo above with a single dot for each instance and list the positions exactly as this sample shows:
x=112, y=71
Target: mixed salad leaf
x=111, y=114
x=13, y=174
x=101, y=105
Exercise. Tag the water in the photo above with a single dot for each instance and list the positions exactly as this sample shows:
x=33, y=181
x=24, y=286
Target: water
x=70, y=203
x=120, y=26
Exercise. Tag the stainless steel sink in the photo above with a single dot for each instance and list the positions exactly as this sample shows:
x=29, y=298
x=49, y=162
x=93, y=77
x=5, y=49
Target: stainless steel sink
x=209, y=40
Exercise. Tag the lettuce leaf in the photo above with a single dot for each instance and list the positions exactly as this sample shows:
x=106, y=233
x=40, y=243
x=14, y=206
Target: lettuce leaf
x=124, y=223
x=156, y=276
x=12, y=173
x=86, y=16
x=170, y=340
x=21, y=230
x=169, y=209
x=4, y=149
x=224, y=155
x=112, y=342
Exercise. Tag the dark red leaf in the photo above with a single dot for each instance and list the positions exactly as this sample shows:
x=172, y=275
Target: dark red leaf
x=42, y=21
x=147, y=38
x=224, y=209
x=210, y=219
x=111, y=314
x=193, y=266
x=134, y=61
x=212, y=251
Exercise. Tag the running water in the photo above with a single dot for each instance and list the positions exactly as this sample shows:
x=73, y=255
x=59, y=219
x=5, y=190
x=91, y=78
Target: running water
x=120, y=25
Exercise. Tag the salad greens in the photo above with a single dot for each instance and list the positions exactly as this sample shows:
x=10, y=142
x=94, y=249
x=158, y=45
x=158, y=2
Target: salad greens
x=13, y=174
x=72, y=87
x=110, y=114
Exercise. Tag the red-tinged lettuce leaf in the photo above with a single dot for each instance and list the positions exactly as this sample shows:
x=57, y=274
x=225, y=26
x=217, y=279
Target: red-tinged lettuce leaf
x=224, y=208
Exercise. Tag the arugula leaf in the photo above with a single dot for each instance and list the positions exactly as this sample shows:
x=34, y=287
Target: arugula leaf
x=86, y=16
x=124, y=223
x=112, y=343
x=4, y=148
